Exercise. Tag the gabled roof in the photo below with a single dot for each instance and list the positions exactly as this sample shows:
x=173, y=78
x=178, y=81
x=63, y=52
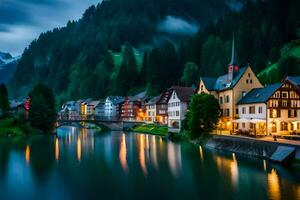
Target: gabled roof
x=183, y=93
x=116, y=99
x=139, y=97
x=294, y=79
x=154, y=100
x=260, y=95
x=221, y=83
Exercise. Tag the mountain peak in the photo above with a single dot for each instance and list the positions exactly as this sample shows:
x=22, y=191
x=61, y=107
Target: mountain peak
x=5, y=56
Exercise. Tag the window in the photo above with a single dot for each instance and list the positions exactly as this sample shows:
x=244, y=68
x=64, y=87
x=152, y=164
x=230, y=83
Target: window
x=292, y=113
x=221, y=100
x=227, y=113
x=285, y=95
x=284, y=103
x=243, y=124
x=277, y=94
x=244, y=110
x=201, y=88
x=252, y=110
x=227, y=99
x=237, y=111
x=250, y=81
x=249, y=74
x=177, y=113
x=274, y=113
x=260, y=109
x=247, y=81
x=283, y=126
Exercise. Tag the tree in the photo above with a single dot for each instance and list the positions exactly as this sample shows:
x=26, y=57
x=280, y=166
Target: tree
x=4, y=103
x=203, y=114
x=42, y=113
x=190, y=74
x=289, y=66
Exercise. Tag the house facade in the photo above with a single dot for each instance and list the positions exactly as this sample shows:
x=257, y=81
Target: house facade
x=100, y=110
x=133, y=108
x=177, y=107
x=151, y=110
x=273, y=110
x=229, y=90
x=112, y=106
x=87, y=107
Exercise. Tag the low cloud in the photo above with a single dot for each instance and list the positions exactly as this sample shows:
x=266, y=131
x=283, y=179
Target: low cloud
x=21, y=21
x=176, y=25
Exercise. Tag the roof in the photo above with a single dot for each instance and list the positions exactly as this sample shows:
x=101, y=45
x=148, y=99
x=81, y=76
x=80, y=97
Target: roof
x=221, y=83
x=259, y=95
x=294, y=79
x=93, y=103
x=154, y=100
x=115, y=99
x=184, y=93
x=138, y=97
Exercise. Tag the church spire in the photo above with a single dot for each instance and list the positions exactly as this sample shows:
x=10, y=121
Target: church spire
x=233, y=61
x=233, y=67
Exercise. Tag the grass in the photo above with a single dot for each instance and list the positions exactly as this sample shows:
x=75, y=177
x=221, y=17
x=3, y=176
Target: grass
x=151, y=129
x=291, y=49
x=14, y=127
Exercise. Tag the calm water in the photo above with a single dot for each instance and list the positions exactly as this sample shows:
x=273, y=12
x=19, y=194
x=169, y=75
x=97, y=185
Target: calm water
x=84, y=164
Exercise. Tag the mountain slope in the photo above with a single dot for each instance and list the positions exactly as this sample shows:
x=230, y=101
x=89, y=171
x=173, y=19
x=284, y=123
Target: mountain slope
x=55, y=56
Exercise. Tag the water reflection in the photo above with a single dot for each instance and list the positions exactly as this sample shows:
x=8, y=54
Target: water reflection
x=56, y=149
x=174, y=158
x=78, y=148
x=228, y=167
x=123, y=154
x=142, y=158
x=93, y=164
x=27, y=155
x=273, y=185
x=201, y=152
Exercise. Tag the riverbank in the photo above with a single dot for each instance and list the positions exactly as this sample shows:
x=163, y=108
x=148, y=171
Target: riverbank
x=13, y=127
x=249, y=146
x=151, y=129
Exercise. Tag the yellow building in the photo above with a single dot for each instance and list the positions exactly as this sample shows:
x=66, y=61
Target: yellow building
x=229, y=89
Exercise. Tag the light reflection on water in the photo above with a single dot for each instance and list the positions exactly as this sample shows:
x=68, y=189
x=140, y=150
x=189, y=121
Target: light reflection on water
x=81, y=161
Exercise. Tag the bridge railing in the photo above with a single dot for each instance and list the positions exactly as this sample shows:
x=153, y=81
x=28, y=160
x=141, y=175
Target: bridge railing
x=70, y=117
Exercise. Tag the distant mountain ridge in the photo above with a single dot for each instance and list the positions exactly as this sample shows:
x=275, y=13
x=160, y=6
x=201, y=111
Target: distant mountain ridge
x=8, y=65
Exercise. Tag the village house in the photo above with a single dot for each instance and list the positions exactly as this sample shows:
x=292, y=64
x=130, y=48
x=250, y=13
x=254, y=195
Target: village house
x=112, y=107
x=151, y=110
x=273, y=110
x=88, y=107
x=133, y=108
x=100, y=110
x=229, y=90
x=177, y=107
x=69, y=110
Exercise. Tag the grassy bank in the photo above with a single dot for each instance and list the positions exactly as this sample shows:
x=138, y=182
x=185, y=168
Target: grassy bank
x=12, y=127
x=151, y=129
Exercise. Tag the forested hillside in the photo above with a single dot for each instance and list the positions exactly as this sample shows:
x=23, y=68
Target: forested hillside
x=76, y=61
x=83, y=59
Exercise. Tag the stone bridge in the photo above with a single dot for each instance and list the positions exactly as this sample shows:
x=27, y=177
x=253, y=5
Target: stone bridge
x=104, y=123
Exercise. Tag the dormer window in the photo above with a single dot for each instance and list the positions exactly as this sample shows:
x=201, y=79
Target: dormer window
x=249, y=74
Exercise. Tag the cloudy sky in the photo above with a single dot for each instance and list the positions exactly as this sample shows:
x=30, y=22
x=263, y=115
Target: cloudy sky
x=21, y=21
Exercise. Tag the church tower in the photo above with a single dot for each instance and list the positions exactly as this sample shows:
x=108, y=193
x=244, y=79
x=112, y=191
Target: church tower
x=233, y=65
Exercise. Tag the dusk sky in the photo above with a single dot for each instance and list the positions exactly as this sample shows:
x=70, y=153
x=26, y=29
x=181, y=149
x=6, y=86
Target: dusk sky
x=21, y=21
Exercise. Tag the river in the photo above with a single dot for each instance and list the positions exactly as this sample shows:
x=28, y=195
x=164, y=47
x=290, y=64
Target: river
x=86, y=164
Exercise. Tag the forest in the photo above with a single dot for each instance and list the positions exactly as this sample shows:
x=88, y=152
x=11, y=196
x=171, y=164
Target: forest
x=122, y=47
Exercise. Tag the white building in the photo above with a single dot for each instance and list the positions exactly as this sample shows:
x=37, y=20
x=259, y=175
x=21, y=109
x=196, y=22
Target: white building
x=177, y=107
x=273, y=110
x=100, y=109
x=112, y=106
x=151, y=110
